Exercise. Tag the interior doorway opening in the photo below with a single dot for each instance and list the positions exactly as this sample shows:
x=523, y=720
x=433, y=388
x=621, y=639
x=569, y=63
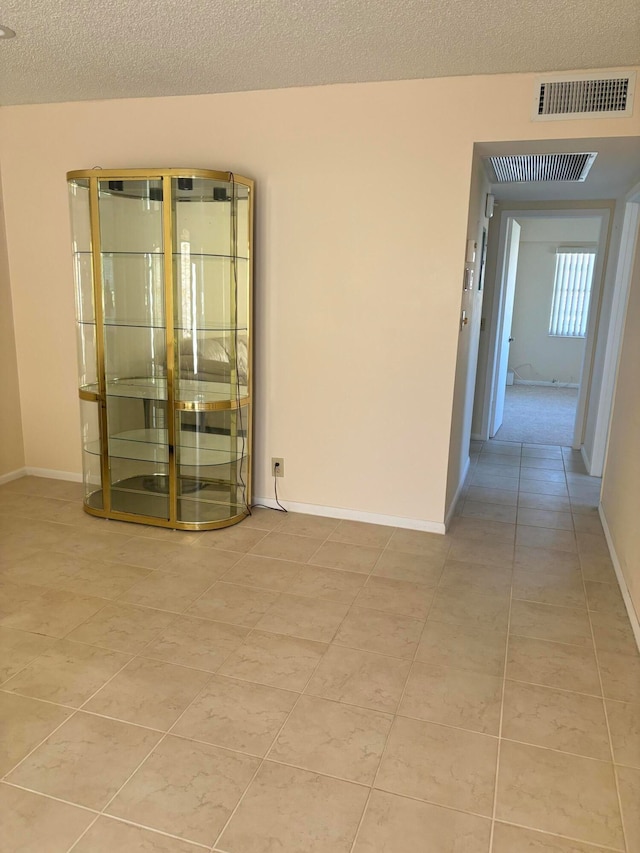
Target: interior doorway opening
x=610, y=187
x=549, y=279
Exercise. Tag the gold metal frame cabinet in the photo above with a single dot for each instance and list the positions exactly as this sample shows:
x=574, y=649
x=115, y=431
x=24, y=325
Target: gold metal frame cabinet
x=163, y=266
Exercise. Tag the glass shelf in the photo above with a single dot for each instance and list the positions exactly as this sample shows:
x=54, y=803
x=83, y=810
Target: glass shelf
x=189, y=390
x=132, y=324
x=197, y=449
x=157, y=253
x=140, y=389
x=214, y=326
x=195, y=391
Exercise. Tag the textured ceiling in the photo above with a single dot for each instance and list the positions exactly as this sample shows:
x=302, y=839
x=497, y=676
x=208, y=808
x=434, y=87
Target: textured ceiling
x=84, y=49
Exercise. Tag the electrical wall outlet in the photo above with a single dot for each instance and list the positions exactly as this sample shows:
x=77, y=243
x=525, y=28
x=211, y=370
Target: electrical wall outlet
x=277, y=466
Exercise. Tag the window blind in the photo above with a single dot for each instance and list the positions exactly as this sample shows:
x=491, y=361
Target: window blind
x=571, y=292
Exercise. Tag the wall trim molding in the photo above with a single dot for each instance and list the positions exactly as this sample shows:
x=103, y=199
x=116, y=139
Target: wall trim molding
x=293, y=506
x=622, y=583
x=12, y=475
x=53, y=474
x=585, y=459
x=545, y=382
x=356, y=515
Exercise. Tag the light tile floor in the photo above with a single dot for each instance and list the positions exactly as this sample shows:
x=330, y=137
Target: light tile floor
x=303, y=685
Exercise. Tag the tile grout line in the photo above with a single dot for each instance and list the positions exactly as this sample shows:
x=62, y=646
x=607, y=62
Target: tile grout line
x=411, y=797
x=302, y=693
x=372, y=787
x=163, y=736
x=50, y=797
x=500, y=723
x=128, y=822
x=606, y=717
x=144, y=827
x=265, y=757
x=68, y=719
x=124, y=722
x=554, y=836
x=235, y=750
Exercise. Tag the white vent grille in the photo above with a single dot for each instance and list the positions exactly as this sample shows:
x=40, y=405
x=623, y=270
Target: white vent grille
x=593, y=95
x=520, y=168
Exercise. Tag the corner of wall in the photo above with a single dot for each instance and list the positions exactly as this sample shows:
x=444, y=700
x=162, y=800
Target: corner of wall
x=468, y=343
x=11, y=440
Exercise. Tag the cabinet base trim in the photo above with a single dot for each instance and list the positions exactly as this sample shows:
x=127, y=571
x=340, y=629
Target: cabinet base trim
x=357, y=515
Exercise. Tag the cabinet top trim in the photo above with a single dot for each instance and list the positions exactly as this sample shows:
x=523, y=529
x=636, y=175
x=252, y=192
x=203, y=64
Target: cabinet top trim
x=110, y=174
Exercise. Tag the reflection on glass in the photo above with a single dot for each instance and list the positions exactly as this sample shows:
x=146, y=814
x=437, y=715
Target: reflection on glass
x=212, y=366
x=80, y=219
x=130, y=216
x=91, y=460
x=87, y=357
x=135, y=355
x=202, y=216
x=141, y=488
x=213, y=459
x=83, y=276
x=138, y=455
x=211, y=293
x=133, y=289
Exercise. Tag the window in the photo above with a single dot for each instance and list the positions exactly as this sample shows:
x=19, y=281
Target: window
x=571, y=292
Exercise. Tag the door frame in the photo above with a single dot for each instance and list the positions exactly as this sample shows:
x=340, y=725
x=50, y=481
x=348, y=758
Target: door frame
x=502, y=276
x=629, y=238
x=546, y=211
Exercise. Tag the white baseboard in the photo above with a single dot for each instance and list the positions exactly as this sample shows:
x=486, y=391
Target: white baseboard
x=585, y=458
x=545, y=382
x=622, y=583
x=356, y=515
x=456, y=497
x=12, y=475
x=53, y=474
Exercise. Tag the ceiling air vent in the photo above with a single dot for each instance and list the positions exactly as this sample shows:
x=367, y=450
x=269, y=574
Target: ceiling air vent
x=518, y=168
x=593, y=95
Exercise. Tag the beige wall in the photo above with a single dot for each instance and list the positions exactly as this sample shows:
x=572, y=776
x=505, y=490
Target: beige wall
x=534, y=355
x=362, y=210
x=11, y=446
x=621, y=483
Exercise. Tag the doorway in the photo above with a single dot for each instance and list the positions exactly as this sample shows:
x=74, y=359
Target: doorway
x=549, y=276
x=542, y=323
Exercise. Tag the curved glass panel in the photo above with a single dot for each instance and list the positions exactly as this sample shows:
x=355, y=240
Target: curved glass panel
x=213, y=464
x=91, y=457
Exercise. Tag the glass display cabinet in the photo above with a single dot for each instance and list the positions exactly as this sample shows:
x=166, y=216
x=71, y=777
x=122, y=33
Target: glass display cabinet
x=163, y=275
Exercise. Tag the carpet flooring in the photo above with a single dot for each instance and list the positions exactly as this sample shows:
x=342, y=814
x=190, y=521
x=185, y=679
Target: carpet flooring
x=539, y=414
